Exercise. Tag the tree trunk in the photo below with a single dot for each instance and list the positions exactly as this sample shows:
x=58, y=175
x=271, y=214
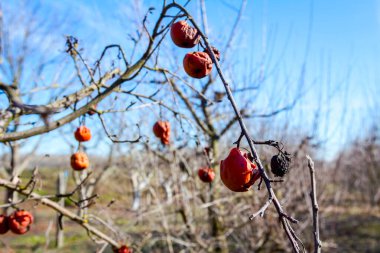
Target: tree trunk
x=13, y=172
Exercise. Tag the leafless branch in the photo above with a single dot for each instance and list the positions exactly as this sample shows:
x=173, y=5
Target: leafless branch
x=315, y=207
x=262, y=210
x=65, y=212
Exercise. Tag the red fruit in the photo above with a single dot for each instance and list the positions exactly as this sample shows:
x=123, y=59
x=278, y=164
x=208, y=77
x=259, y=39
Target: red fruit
x=207, y=175
x=4, y=224
x=215, y=51
x=184, y=35
x=19, y=221
x=122, y=249
x=237, y=172
x=197, y=64
x=79, y=161
x=82, y=133
x=92, y=110
x=161, y=129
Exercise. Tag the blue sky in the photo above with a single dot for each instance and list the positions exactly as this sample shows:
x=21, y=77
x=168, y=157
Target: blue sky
x=335, y=41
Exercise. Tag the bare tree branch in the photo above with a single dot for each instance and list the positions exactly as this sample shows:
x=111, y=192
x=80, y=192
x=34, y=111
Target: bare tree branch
x=65, y=212
x=315, y=207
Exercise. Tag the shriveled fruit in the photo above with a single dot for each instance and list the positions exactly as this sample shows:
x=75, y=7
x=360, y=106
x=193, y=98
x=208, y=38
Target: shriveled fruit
x=92, y=110
x=183, y=35
x=197, y=64
x=237, y=172
x=161, y=129
x=82, y=133
x=20, y=221
x=280, y=164
x=79, y=161
x=215, y=51
x=206, y=174
x=4, y=224
x=122, y=249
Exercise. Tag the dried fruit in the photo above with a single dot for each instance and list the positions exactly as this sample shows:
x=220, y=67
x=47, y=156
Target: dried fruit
x=122, y=249
x=4, y=224
x=161, y=129
x=197, y=64
x=280, y=164
x=206, y=174
x=92, y=110
x=237, y=172
x=215, y=51
x=82, y=133
x=183, y=35
x=79, y=161
x=20, y=221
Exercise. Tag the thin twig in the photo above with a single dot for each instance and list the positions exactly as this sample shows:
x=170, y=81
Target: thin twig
x=261, y=211
x=315, y=207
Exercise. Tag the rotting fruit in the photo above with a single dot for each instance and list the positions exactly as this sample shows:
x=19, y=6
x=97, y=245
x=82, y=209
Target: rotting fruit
x=122, y=249
x=206, y=174
x=82, y=133
x=161, y=129
x=237, y=172
x=215, y=51
x=79, y=161
x=197, y=64
x=20, y=221
x=183, y=35
x=280, y=164
x=4, y=224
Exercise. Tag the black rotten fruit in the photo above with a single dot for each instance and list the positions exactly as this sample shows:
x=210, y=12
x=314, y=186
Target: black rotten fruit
x=280, y=164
